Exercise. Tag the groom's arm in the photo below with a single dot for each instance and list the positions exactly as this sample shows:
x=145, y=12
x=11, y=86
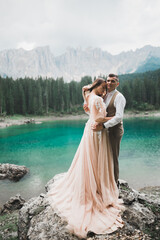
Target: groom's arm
x=120, y=103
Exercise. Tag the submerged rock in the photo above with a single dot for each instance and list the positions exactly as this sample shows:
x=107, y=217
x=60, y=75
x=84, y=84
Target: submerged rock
x=29, y=121
x=38, y=221
x=12, y=172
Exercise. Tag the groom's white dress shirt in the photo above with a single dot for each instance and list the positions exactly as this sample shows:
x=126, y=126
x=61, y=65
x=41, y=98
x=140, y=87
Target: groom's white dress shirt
x=119, y=104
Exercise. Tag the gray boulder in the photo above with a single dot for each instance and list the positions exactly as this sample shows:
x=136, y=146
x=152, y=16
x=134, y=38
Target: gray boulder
x=12, y=172
x=12, y=204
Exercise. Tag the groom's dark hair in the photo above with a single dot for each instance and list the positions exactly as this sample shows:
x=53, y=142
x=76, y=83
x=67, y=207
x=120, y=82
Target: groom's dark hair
x=112, y=75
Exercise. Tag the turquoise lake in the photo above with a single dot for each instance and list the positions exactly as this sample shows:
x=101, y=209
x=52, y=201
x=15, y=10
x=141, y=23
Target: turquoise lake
x=48, y=148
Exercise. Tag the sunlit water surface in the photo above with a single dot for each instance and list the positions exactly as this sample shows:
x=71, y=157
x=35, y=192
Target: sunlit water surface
x=48, y=148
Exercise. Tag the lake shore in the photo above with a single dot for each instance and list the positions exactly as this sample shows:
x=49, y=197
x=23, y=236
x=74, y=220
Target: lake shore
x=20, y=120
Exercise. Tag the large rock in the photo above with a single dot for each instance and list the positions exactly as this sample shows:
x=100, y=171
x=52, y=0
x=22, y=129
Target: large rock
x=38, y=221
x=9, y=215
x=12, y=172
x=12, y=204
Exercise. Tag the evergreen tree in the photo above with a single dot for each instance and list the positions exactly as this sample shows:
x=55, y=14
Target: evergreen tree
x=30, y=108
x=45, y=97
x=1, y=96
x=39, y=98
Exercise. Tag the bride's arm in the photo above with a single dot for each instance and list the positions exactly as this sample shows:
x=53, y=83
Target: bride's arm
x=85, y=91
x=98, y=111
x=85, y=95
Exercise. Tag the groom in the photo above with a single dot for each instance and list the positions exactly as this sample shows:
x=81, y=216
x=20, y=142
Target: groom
x=115, y=104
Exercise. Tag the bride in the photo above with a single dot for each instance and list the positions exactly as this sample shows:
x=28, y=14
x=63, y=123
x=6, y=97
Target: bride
x=87, y=195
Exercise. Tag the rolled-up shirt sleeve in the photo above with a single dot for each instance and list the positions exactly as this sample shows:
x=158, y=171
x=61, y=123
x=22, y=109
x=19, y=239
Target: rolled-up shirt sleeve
x=119, y=104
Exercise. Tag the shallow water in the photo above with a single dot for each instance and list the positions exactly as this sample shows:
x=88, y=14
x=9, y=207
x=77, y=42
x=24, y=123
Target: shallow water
x=48, y=148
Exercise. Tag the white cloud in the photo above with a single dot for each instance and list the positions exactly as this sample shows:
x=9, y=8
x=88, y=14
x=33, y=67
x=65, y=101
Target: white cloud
x=26, y=45
x=113, y=25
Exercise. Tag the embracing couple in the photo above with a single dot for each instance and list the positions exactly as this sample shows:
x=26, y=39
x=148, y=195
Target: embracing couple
x=87, y=195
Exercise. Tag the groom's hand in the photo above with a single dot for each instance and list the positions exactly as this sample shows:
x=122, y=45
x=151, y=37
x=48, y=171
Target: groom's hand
x=97, y=127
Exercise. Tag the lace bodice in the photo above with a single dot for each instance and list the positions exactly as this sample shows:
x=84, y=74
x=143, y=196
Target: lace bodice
x=97, y=107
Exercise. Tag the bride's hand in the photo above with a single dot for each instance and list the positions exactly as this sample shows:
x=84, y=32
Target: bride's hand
x=85, y=88
x=85, y=107
x=97, y=127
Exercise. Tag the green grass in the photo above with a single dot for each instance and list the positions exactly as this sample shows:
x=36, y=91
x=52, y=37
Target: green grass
x=16, y=117
x=8, y=222
x=38, y=210
x=125, y=188
x=8, y=238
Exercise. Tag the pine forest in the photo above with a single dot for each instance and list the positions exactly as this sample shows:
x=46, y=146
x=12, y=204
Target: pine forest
x=50, y=96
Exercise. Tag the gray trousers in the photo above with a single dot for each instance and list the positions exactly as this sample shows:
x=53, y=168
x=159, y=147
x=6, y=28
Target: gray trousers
x=115, y=136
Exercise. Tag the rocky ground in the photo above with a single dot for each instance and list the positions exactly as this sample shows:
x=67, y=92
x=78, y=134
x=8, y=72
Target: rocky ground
x=12, y=172
x=37, y=221
x=9, y=215
x=7, y=122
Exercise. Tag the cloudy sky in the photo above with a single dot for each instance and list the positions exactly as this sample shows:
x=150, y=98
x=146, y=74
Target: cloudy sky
x=112, y=25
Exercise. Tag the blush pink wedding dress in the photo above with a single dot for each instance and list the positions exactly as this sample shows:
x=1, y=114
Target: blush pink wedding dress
x=87, y=195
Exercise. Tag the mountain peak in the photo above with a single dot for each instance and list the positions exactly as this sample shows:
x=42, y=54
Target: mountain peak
x=74, y=63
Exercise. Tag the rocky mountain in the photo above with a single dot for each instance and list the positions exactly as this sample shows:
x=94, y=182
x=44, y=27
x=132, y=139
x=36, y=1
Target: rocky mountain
x=151, y=63
x=75, y=63
x=20, y=63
